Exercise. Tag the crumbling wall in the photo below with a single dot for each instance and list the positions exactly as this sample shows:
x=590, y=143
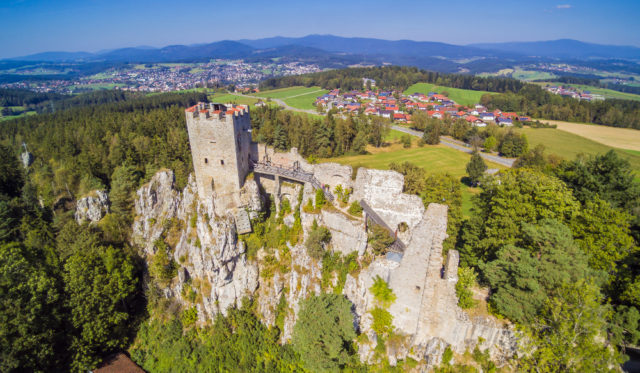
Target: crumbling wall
x=382, y=190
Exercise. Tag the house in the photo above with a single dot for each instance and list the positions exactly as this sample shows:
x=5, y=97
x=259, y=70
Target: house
x=399, y=117
x=505, y=122
x=524, y=119
x=487, y=116
x=385, y=113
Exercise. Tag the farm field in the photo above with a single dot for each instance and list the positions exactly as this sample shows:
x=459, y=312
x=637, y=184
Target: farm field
x=465, y=97
x=623, y=138
x=569, y=145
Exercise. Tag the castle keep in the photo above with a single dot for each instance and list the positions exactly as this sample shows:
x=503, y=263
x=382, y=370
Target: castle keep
x=220, y=139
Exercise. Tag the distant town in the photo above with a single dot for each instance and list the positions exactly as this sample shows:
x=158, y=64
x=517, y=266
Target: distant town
x=574, y=93
x=167, y=77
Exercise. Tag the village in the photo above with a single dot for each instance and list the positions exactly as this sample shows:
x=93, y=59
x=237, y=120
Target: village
x=399, y=108
x=573, y=93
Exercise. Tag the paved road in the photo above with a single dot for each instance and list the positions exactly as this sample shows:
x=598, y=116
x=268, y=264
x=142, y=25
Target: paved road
x=508, y=162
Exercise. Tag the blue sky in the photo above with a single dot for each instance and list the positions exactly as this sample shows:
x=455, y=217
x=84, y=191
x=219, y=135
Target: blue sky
x=31, y=26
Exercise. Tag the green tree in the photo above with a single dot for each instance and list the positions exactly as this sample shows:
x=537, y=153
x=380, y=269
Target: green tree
x=522, y=278
x=123, y=183
x=419, y=120
x=490, y=144
x=476, y=168
x=99, y=284
x=513, y=145
x=324, y=332
x=31, y=315
x=505, y=202
x=11, y=180
x=433, y=131
x=603, y=233
x=568, y=334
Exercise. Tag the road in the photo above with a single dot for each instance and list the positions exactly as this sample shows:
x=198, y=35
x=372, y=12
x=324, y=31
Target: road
x=507, y=162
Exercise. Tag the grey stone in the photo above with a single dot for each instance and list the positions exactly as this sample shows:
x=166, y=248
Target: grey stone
x=93, y=207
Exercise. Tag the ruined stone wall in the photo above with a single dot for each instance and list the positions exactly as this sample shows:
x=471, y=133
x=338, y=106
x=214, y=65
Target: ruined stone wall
x=382, y=190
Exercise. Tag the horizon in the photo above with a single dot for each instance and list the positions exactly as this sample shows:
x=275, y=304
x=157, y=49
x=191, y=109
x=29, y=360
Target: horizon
x=35, y=26
x=105, y=50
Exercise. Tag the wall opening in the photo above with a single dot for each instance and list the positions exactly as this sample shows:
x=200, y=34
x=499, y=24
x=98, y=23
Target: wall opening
x=206, y=161
x=222, y=162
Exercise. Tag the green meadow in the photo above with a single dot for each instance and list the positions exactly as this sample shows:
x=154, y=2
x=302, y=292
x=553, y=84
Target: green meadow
x=465, y=97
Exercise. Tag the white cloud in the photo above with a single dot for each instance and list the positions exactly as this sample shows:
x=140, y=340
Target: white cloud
x=563, y=6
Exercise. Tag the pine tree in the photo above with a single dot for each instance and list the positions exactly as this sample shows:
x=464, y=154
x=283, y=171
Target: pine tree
x=476, y=168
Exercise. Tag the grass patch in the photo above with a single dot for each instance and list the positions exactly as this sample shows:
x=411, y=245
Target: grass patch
x=224, y=98
x=305, y=101
x=465, y=97
x=435, y=159
x=288, y=92
x=569, y=145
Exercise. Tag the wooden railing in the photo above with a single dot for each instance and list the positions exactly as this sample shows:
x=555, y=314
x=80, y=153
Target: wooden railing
x=293, y=173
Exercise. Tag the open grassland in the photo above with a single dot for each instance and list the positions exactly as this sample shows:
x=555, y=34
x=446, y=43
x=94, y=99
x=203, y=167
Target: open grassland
x=437, y=159
x=305, y=101
x=284, y=93
x=623, y=138
x=225, y=98
x=529, y=75
x=569, y=145
x=465, y=97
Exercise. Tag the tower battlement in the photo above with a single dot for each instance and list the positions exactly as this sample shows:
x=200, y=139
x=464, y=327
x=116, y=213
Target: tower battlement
x=212, y=111
x=220, y=139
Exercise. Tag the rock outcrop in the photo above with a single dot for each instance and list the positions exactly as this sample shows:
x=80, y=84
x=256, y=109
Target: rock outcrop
x=92, y=207
x=213, y=261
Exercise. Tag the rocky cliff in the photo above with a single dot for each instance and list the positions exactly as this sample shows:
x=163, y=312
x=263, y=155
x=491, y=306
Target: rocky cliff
x=214, y=271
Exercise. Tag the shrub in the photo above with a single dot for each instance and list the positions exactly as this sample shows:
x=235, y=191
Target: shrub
x=466, y=279
x=406, y=141
x=189, y=316
x=382, y=292
x=320, y=200
x=382, y=322
x=318, y=237
x=355, y=209
x=379, y=239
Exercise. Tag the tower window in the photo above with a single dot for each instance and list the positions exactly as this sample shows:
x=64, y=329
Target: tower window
x=222, y=162
x=206, y=160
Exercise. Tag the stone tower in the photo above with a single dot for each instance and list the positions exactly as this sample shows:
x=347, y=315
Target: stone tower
x=220, y=139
